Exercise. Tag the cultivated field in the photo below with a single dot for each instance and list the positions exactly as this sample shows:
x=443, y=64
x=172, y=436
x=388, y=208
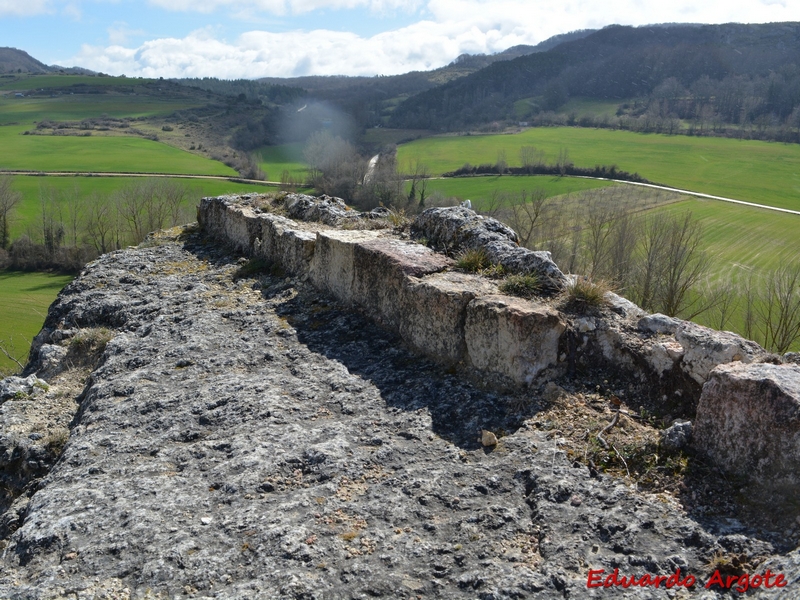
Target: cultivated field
x=24, y=299
x=482, y=190
x=27, y=111
x=274, y=160
x=102, y=154
x=25, y=82
x=33, y=189
x=761, y=172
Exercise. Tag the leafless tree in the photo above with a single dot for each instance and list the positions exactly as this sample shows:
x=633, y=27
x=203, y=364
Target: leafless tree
x=52, y=221
x=778, y=312
x=726, y=300
x=102, y=223
x=530, y=157
x=9, y=198
x=526, y=213
x=685, y=264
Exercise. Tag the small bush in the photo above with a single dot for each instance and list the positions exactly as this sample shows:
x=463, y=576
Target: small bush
x=585, y=292
x=166, y=128
x=473, y=261
x=525, y=286
x=88, y=344
x=398, y=218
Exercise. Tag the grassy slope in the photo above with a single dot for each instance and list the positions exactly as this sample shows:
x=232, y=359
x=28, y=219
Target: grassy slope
x=28, y=211
x=742, y=240
x=273, y=160
x=68, y=153
x=762, y=172
x=109, y=154
x=480, y=189
x=24, y=299
x=81, y=106
x=35, y=82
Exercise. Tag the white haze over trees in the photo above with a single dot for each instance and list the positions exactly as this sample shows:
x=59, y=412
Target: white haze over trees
x=258, y=38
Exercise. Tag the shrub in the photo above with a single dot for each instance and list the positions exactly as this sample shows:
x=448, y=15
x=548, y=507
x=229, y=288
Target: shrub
x=585, y=292
x=472, y=260
x=525, y=286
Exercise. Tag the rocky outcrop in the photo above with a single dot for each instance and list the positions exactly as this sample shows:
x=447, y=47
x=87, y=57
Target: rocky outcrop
x=244, y=433
x=458, y=228
x=748, y=422
x=236, y=442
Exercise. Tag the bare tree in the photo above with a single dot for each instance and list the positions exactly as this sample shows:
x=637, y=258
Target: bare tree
x=726, y=301
x=599, y=217
x=625, y=234
x=526, y=213
x=650, y=265
x=684, y=266
x=779, y=310
x=173, y=196
x=102, y=223
x=9, y=198
x=74, y=204
x=530, y=157
x=52, y=221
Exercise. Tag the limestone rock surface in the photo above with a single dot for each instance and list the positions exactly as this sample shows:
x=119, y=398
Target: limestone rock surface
x=748, y=421
x=460, y=228
x=270, y=443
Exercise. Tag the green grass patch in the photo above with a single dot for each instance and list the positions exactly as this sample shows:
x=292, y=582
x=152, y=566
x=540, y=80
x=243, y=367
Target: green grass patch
x=382, y=136
x=741, y=240
x=274, y=160
x=24, y=300
x=109, y=154
x=82, y=106
x=588, y=107
x=762, y=172
x=525, y=286
x=28, y=211
x=481, y=190
x=34, y=82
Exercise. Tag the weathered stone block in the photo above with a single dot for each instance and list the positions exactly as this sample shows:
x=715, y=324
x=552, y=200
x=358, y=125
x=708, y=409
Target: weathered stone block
x=706, y=348
x=748, y=422
x=434, y=312
x=512, y=336
x=381, y=268
x=281, y=242
x=333, y=265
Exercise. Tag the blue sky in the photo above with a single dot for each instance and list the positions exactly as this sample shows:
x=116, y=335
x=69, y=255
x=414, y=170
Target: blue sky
x=283, y=38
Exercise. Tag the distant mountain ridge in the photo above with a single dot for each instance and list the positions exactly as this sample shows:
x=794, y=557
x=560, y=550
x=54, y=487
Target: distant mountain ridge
x=13, y=60
x=620, y=62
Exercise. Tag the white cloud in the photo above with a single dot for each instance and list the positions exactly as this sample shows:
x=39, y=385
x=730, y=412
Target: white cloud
x=119, y=33
x=453, y=27
x=282, y=7
x=27, y=8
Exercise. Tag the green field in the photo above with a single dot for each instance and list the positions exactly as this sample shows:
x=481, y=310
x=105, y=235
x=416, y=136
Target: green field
x=24, y=299
x=25, y=111
x=480, y=190
x=761, y=172
x=27, y=212
x=743, y=240
x=109, y=154
x=274, y=160
x=35, y=82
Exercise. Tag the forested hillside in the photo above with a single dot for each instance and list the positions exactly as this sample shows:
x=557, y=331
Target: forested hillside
x=732, y=73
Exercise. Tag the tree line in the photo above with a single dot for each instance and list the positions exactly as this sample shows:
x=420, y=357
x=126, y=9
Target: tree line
x=747, y=76
x=74, y=227
x=656, y=259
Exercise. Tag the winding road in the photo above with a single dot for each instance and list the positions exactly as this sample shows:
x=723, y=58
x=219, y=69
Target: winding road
x=372, y=165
